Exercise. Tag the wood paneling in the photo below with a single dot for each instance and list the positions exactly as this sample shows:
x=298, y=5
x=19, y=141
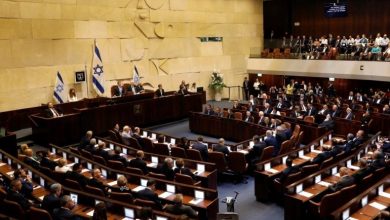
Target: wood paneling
x=369, y=17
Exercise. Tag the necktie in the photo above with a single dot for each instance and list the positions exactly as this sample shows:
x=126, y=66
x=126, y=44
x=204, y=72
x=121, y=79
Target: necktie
x=55, y=113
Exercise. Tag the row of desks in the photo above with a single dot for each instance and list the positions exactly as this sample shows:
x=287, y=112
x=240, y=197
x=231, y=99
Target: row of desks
x=103, y=116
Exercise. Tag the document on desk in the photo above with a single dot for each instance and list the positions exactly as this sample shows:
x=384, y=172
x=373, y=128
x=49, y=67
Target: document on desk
x=353, y=167
x=152, y=165
x=305, y=194
x=138, y=188
x=385, y=194
x=378, y=205
x=305, y=157
x=113, y=183
x=243, y=151
x=84, y=170
x=316, y=151
x=165, y=195
x=195, y=201
x=90, y=213
x=323, y=183
x=272, y=170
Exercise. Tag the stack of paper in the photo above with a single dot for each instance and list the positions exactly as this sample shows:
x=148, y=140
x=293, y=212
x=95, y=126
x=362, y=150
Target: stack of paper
x=305, y=194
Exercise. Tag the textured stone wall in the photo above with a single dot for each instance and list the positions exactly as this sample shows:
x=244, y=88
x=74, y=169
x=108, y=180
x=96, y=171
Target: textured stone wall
x=40, y=37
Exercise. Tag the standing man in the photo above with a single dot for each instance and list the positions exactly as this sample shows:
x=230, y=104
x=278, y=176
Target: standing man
x=245, y=86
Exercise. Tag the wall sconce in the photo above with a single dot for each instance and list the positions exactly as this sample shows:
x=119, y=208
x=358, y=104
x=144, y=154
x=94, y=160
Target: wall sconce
x=259, y=75
x=331, y=79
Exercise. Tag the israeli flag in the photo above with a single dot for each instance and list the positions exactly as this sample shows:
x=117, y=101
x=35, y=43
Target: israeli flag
x=59, y=90
x=97, y=72
x=135, y=75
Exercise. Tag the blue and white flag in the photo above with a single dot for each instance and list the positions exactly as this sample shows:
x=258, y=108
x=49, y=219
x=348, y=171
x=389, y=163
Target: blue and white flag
x=135, y=75
x=97, y=72
x=59, y=90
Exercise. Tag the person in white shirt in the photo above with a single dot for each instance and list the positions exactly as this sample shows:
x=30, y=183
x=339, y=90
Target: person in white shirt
x=378, y=39
x=72, y=97
x=126, y=133
x=62, y=168
x=192, y=89
x=256, y=87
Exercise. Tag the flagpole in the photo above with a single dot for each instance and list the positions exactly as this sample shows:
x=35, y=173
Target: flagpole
x=86, y=78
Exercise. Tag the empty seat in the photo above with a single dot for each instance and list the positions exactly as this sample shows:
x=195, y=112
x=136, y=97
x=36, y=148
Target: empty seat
x=178, y=152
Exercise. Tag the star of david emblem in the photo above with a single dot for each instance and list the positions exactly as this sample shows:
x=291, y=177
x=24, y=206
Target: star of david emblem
x=98, y=69
x=59, y=88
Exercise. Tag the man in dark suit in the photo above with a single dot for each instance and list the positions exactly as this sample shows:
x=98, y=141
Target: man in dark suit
x=220, y=147
x=117, y=156
x=270, y=140
x=362, y=172
x=76, y=175
x=248, y=117
x=280, y=103
x=311, y=111
x=335, y=111
x=160, y=91
x=347, y=147
x=327, y=153
x=245, y=86
x=149, y=194
x=30, y=160
x=27, y=186
x=137, y=135
x=181, y=169
x=96, y=180
x=267, y=109
x=289, y=170
x=51, y=111
x=102, y=151
x=359, y=138
x=209, y=110
x=202, y=148
x=139, y=163
x=85, y=141
x=179, y=209
x=324, y=110
x=349, y=115
x=15, y=195
x=182, y=90
x=377, y=162
x=328, y=122
x=52, y=201
x=65, y=211
x=119, y=90
x=254, y=154
x=166, y=168
x=121, y=186
x=345, y=180
x=261, y=120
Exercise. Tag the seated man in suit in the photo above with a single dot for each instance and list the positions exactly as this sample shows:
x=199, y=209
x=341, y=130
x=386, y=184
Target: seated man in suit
x=326, y=154
x=149, y=194
x=126, y=134
x=335, y=111
x=166, y=168
x=76, y=175
x=160, y=91
x=27, y=186
x=179, y=209
x=208, y=110
x=347, y=147
x=52, y=201
x=328, y=123
x=65, y=211
x=270, y=140
x=386, y=108
x=296, y=113
x=139, y=163
x=220, y=147
x=362, y=172
x=324, y=110
x=201, y=147
x=248, y=117
x=14, y=194
x=119, y=90
x=96, y=180
x=183, y=90
x=45, y=160
x=261, y=119
x=116, y=156
x=254, y=154
x=289, y=170
x=101, y=150
x=345, y=180
x=378, y=161
x=30, y=159
x=349, y=115
x=181, y=169
x=311, y=111
x=138, y=88
x=267, y=108
x=85, y=141
x=359, y=138
x=137, y=134
x=51, y=111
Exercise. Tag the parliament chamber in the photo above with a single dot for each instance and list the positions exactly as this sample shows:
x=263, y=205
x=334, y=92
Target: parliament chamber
x=164, y=109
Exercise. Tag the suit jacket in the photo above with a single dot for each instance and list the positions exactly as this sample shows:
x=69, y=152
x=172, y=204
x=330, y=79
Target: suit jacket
x=102, y=153
x=180, y=209
x=168, y=172
x=267, y=110
x=271, y=141
x=321, y=157
x=335, y=113
x=51, y=202
x=140, y=164
x=72, y=175
x=343, y=182
x=256, y=151
x=84, y=142
x=148, y=194
x=295, y=114
x=349, y=116
x=96, y=183
x=64, y=214
x=50, y=114
x=248, y=119
x=160, y=93
x=328, y=124
x=19, y=198
x=117, y=157
x=289, y=170
x=45, y=162
x=118, y=92
x=325, y=112
x=31, y=162
x=185, y=171
x=312, y=112
x=202, y=148
x=209, y=112
x=360, y=174
x=221, y=148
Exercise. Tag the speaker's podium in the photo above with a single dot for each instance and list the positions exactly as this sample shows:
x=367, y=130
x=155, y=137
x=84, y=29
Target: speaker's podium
x=60, y=131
